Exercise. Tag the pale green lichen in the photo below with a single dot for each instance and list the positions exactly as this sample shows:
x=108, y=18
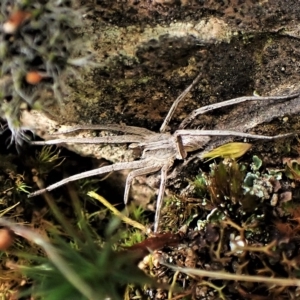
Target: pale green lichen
x=260, y=184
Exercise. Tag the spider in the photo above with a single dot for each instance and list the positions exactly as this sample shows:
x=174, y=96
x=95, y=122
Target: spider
x=159, y=150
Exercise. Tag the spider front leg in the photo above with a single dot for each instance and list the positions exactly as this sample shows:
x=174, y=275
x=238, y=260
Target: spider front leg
x=109, y=127
x=197, y=132
x=205, y=109
x=114, y=139
x=192, y=140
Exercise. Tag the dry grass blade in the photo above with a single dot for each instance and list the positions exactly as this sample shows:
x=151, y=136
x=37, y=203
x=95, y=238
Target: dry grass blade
x=236, y=277
x=117, y=213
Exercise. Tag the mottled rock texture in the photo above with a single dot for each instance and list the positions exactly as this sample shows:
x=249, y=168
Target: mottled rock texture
x=149, y=51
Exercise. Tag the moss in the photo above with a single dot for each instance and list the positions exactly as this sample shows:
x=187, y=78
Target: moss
x=35, y=58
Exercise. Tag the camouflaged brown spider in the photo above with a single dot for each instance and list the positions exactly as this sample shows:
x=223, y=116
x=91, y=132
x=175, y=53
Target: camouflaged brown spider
x=159, y=150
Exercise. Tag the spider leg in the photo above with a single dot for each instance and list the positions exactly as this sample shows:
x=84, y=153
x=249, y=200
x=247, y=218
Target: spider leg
x=135, y=173
x=114, y=139
x=109, y=127
x=163, y=180
x=175, y=104
x=205, y=109
x=228, y=133
x=106, y=169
